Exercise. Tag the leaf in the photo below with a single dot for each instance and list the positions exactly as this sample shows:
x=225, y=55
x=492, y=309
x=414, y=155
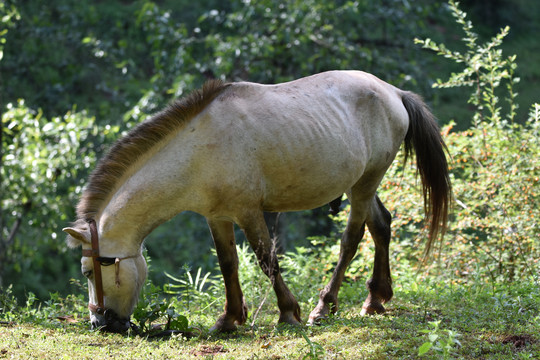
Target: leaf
x=180, y=323
x=48, y=127
x=424, y=348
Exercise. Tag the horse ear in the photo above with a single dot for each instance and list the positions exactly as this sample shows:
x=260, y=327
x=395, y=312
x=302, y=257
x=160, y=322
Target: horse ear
x=77, y=236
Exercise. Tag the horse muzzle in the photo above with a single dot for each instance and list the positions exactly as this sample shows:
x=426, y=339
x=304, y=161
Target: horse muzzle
x=109, y=322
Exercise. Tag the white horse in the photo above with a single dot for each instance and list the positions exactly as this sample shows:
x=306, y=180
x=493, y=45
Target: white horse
x=231, y=152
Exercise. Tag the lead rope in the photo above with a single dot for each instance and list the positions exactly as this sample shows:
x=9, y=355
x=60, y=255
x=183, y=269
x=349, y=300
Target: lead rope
x=117, y=272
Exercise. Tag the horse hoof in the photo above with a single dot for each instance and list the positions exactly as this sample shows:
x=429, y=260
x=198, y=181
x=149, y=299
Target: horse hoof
x=217, y=329
x=222, y=327
x=319, y=314
x=372, y=309
x=318, y=320
x=289, y=319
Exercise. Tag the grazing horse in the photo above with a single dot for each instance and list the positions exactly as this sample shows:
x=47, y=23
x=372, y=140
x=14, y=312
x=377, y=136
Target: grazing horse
x=234, y=150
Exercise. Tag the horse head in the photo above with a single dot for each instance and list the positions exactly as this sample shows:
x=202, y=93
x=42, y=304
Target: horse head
x=114, y=278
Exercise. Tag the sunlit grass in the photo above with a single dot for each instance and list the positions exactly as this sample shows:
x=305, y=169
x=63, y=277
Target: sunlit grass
x=490, y=320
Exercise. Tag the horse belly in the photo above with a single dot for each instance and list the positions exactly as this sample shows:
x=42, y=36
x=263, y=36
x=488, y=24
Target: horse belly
x=308, y=179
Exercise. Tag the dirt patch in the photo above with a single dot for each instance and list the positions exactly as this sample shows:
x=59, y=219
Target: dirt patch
x=205, y=350
x=518, y=341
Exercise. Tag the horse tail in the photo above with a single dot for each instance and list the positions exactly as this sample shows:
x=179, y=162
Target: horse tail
x=425, y=138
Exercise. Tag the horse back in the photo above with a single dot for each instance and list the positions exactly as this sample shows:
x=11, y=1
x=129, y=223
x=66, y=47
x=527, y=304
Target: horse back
x=304, y=142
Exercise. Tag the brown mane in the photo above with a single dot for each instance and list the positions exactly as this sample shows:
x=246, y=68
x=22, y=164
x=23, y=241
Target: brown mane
x=112, y=167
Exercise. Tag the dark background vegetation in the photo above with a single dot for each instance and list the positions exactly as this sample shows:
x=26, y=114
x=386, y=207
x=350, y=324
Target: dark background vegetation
x=106, y=65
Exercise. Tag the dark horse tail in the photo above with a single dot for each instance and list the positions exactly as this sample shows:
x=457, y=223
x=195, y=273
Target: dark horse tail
x=425, y=138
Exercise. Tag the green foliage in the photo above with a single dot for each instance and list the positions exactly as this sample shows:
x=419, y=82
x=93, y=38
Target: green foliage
x=274, y=41
x=494, y=167
x=8, y=15
x=57, y=56
x=255, y=285
x=39, y=155
x=166, y=305
x=50, y=313
x=439, y=342
x=496, y=192
x=191, y=290
x=153, y=306
x=315, y=350
x=115, y=58
x=485, y=69
x=185, y=240
x=8, y=302
x=270, y=41
x=42, y=161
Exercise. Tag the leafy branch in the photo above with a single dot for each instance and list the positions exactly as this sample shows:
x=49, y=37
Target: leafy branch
x=484, y=69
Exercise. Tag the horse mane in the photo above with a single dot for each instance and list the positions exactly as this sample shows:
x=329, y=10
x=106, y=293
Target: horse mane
x=125, y=152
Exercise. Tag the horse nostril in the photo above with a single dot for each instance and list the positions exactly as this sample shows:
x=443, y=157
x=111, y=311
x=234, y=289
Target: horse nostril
x=117, y=326
x=95, y=324
x=110, y=316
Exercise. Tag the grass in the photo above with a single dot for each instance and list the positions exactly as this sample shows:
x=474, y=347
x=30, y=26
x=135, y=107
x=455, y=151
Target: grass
x=468, y=321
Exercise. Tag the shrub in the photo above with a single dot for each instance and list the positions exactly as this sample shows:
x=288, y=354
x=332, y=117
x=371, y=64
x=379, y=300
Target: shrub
x=495, y=169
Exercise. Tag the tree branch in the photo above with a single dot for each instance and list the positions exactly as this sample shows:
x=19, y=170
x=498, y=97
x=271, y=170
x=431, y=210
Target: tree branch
x=5, y=244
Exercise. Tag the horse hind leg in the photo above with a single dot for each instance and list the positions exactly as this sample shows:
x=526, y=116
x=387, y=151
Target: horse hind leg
x=235, y=312
x=380, y=284
x=258, y=237
x=328, y=297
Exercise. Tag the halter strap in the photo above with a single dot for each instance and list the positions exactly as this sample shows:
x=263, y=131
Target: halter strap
x=99, y=261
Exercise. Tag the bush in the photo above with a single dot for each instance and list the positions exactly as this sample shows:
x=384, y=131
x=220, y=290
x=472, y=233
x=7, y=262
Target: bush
x=42, y=164
x=495, y=169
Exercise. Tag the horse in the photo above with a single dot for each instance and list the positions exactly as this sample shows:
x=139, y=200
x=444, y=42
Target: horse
x=231, y=151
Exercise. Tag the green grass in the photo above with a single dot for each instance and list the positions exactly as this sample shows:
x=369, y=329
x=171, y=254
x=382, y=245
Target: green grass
x=487, y=321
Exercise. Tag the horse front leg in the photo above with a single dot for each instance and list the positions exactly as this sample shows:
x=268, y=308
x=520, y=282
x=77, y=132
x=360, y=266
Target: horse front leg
x=235, y=312
x=258, y=236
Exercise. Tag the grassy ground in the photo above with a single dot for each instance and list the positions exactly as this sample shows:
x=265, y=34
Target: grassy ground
x=466, y=322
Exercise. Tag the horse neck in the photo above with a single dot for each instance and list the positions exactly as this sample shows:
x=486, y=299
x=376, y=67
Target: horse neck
x=146, y=199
